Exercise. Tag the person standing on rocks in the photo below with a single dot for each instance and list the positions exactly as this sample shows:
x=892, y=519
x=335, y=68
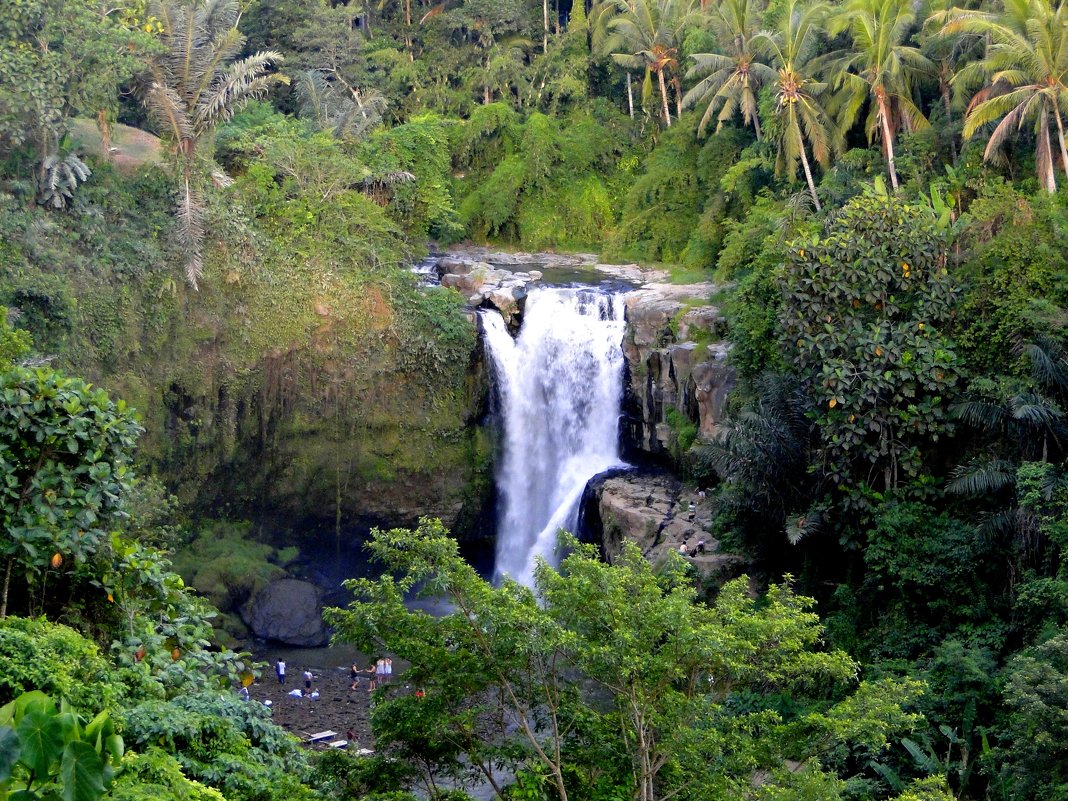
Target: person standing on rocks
x=308, y=679
x=280, y=669
x=372, y=670
x=354, y=672
x=389, y=670
x=380, y=670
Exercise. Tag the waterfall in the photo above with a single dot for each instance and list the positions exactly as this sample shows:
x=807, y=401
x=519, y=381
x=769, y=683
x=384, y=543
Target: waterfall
x=560, y=385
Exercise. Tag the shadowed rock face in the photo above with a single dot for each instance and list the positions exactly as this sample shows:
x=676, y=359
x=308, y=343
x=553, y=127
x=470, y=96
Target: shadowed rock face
x=675, y=360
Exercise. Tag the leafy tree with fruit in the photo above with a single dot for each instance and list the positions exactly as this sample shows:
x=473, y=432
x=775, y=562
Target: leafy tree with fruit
x=867, y=306
x=65, y=453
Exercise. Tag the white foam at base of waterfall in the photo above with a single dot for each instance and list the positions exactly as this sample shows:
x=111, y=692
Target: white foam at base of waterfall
x=560, y=386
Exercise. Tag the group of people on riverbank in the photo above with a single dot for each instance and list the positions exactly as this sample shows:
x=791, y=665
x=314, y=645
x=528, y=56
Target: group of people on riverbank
x=307, y=676
x=380, y=673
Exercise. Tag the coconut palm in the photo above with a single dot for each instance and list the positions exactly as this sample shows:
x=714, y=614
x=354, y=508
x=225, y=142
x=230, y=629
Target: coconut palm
x=950, y=53
x=1025, y=66
x=879, y=67
x=732, y=79
x=646, y=34
x=195, y=83
x=797, y=93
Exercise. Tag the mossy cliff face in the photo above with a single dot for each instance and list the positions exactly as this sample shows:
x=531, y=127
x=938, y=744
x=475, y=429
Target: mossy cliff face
x=330, y=401
x=303, y=380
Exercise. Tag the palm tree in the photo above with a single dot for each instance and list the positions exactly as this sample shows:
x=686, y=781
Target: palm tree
x=1025, y=65
x=797, y=93
x=336, y=106
x=950, y=53
x=879, y=67
x=646, y=34
x=194, y=84
x=732, y=80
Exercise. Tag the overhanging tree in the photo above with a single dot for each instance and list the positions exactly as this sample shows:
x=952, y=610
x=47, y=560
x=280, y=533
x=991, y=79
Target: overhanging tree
x=615, y=663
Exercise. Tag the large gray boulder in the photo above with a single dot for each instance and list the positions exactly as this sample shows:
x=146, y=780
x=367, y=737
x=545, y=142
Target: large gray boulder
x=287, y=611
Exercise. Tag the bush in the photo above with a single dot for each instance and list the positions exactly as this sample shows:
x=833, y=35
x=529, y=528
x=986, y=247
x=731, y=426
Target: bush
x=36, y=654
x=224, y=742
x=156, y=776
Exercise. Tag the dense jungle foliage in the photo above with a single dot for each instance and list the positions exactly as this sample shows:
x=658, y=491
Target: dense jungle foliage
x=209, y=207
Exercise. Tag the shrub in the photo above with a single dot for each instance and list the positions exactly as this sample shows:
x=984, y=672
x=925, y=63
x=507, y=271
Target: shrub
x=36, y=654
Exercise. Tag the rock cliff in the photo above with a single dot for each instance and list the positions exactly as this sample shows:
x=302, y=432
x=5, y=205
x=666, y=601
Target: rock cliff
x=678, y=378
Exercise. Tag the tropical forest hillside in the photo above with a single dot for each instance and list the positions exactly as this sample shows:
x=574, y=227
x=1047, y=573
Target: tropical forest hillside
x=216, y=365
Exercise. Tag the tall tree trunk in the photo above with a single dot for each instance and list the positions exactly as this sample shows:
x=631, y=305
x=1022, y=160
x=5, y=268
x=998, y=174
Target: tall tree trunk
x=1060, y=139
x=408, y=12
x=545, y=21
x=888, y=138
x=808, y=177
x=944, y=85
x=676, y=84
x=756, y=127
x=664, y=98
x=1044, y=156
x=630, y=96
x=7, y=584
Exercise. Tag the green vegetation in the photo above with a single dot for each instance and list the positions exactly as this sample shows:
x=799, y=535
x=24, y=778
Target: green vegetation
x=209, y=211
x=620, y=684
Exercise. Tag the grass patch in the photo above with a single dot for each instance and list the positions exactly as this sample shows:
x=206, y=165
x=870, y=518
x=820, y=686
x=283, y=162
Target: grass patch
x=131, y=147
x=681, y=274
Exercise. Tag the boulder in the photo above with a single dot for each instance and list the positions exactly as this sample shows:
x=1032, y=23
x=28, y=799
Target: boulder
x=465, y=283
x=658, y=513
x=287, y=611
x=453, y=266
x=509, y=302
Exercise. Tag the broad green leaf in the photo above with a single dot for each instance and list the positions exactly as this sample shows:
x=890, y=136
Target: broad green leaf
x=9, y=752
x=82, y=773
x=41, y=738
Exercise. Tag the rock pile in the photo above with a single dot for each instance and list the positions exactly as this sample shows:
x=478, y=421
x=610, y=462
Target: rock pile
x=658, y=513
x=486, y=286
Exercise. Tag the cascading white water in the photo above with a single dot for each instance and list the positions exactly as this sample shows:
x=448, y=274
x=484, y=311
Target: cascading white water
x=560, y=384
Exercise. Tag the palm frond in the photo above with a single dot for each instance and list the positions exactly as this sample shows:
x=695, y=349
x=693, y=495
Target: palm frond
x=982, y=477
